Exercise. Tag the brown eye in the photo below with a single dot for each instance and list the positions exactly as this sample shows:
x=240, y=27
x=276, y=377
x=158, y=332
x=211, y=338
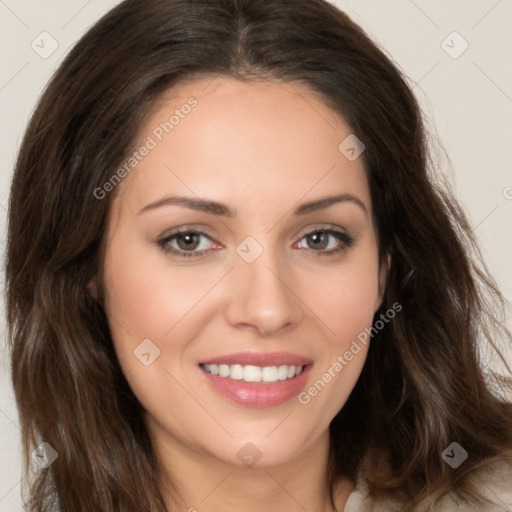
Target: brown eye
x=326, y=241
x=187, y=241
x=318, y=240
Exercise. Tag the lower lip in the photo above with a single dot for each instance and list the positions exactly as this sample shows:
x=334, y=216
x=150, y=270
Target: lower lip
x=259, y=394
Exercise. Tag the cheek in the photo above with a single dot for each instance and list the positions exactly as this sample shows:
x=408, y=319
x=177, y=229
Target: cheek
x=347, y=297
x=145, y=296
x=348, y=303
x=148, y=304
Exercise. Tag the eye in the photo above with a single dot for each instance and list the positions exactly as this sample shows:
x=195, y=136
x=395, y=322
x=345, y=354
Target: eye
x=186, y=243
x=325, y=241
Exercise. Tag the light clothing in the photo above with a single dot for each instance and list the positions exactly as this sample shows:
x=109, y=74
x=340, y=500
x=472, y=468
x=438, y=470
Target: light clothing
x=496, y=487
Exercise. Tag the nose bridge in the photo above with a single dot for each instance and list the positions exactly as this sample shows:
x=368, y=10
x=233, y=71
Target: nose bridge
x=260, y=292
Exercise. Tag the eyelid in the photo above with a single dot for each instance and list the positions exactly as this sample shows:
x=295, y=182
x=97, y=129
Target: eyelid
x=320, y=227
x=186, y=229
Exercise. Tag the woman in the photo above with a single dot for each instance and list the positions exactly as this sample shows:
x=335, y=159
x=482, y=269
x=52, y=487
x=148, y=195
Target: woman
x=232, y=282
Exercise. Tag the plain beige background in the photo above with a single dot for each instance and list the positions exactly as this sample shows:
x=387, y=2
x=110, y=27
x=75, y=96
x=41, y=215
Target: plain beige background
x=465, y=92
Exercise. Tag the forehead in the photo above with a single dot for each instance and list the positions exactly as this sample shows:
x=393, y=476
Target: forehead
x=244, y=142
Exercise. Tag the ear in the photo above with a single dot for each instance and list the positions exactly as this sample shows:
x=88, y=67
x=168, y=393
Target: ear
x=383, y=276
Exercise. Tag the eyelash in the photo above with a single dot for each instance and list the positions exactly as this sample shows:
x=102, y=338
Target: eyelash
x=345, y=239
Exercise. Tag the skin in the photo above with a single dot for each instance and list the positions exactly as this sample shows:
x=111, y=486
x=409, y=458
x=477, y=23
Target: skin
x=262, y=148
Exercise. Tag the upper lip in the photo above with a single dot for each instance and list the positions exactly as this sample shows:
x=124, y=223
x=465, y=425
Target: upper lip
x=260, y=359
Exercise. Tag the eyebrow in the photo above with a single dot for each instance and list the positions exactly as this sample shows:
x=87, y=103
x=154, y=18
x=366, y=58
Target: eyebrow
x=325, y=202
x=220, y=209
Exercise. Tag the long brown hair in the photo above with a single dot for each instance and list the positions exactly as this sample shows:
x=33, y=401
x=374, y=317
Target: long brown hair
x=422, y=386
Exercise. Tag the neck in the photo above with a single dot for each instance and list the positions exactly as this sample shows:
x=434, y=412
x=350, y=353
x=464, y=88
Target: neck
x=203, y=483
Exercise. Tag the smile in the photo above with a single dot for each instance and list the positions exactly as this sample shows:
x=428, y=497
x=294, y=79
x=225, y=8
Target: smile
x=257, y=379
x=251, y=373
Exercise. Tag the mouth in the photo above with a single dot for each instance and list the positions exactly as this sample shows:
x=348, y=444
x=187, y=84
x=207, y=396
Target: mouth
x=257, y=380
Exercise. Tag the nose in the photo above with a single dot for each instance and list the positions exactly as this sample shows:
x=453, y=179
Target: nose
x=262, y=296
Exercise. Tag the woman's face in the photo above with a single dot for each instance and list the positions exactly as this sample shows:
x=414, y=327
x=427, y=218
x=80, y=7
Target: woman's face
x=266, y=280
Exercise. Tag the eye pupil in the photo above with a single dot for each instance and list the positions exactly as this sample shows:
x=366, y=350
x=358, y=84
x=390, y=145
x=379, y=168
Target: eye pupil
x=191, y=241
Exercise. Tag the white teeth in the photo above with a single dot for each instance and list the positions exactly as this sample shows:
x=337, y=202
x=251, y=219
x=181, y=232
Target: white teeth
x=282, y=372
x=269, y=374
x=224, y=370
x=251, y=373
x=236, y=372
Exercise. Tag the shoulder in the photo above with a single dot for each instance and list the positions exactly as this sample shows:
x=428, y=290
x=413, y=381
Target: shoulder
x=495, y=486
